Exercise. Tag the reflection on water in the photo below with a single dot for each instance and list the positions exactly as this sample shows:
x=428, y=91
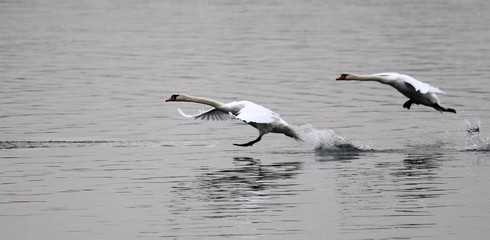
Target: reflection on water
x=337, y=155
x=419, y=177
x=249, y=192
x=392, y=194
x=251, y=178
x=419, y=165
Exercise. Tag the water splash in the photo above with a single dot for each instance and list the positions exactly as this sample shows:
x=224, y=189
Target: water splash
x=325, y=140
x=475, y=140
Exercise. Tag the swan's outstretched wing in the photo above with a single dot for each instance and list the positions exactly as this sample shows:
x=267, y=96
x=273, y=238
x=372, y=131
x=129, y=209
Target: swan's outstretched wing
x=212, y=114
x=252, y=112
x=418, y=85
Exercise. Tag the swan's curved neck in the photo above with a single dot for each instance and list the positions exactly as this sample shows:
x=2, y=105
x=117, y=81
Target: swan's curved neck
x=202, y=100
x=380, y=79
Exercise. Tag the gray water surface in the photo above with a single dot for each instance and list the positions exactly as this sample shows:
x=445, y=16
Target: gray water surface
x=89, y=149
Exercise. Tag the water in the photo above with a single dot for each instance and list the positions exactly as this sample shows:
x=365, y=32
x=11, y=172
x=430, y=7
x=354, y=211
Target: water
x=89, y=148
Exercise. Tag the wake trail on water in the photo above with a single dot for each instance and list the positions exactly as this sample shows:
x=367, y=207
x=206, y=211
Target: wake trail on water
x=325, y=140
x=76, y=143
x=468, y=137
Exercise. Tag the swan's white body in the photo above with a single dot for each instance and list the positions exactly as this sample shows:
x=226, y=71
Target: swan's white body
x=263, y=119
x=418, y=92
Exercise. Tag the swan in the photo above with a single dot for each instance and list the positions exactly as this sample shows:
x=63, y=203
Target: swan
x=418, y=92
x=261, y=118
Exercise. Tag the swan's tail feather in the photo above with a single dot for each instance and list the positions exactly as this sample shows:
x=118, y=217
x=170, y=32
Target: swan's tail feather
x=290, y=132
x=437, y=90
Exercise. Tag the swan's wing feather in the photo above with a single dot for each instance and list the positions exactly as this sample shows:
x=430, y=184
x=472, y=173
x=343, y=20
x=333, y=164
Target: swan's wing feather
x=184, y=114
x=252, y=112
x=209, y=115
x=418, y=85
x=213, y=115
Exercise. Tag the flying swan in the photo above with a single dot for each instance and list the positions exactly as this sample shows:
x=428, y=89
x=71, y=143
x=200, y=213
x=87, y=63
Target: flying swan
x=253, y=114
x=417, y=91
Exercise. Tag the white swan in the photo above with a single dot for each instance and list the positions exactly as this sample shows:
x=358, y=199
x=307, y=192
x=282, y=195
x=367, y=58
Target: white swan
x=417, y=91
x=253, y=114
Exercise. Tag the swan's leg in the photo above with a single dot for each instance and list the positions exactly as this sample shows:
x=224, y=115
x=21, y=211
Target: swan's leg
x=442, y=109
x=249, y=143
x=408, y=104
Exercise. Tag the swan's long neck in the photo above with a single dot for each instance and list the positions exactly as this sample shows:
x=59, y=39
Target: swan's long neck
x=380, y=79
x=207, y=101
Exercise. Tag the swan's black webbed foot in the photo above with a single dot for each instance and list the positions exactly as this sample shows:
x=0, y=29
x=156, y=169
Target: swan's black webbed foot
x=449, y=110
x=408, y=104
x=442, y=109
x=249, y=144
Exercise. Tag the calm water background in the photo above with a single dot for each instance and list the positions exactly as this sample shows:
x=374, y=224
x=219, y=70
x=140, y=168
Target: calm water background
x=90, y=150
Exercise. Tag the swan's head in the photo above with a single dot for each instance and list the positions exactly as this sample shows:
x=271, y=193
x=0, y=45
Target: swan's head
x=177, y=97
x=345, y=76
